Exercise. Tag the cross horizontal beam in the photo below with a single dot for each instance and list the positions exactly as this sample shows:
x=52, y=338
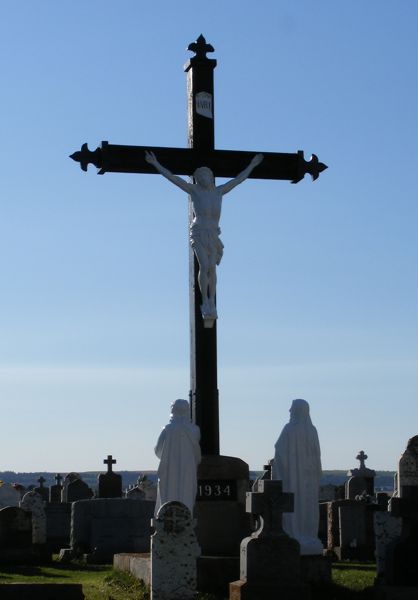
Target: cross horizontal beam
x=112, y=158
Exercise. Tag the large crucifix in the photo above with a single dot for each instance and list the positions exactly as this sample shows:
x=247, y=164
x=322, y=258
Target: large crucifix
x=107, y=157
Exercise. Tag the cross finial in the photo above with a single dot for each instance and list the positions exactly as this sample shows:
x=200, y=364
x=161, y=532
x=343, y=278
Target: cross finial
x=41, y=481
x=58, y=479
x=361, y=456
x=200, y=48
x=109, y=461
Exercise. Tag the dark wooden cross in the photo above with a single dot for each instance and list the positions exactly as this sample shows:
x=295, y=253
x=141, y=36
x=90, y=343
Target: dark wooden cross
x=204, y=396
x=109, y=461
x=58, y=479
x=41, y=481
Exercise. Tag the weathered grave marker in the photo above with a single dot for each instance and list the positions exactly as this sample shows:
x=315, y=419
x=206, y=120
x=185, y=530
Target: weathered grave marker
x=174, y=551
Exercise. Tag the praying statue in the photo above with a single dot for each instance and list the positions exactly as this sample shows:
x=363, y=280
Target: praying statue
x=206, y=199
x=179, y=452
x=297, y=462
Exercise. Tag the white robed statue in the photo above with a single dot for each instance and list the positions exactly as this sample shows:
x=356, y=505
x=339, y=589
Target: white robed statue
x=297, y=462
x=179, y=452
x=206, y=199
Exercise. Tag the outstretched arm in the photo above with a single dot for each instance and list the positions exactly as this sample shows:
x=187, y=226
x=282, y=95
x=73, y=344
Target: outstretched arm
x=152, y=160
x=229, y=185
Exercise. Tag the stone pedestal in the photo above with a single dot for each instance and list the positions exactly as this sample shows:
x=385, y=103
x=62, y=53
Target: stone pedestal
x=220, y=506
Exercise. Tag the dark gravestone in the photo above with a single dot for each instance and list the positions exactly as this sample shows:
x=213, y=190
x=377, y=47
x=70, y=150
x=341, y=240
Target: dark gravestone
x=41, y=490
x=103, y=527
x=16, y=536
x=58, y=525
x=361, y=479
x=78, y=490
x=270, y=564
x=55, y=491
x=110, y=483
x=402, y=555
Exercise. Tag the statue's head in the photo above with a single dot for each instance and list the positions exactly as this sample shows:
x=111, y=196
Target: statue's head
x=299, y=411
x=180, y=408
x=204, y=177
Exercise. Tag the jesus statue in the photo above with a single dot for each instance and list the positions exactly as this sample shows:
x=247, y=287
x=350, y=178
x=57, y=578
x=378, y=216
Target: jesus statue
x=206, y=199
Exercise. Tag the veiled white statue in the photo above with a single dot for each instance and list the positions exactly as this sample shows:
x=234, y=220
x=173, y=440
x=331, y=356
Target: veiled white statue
x=206, y=199
x=297, y=462
x=179, y=452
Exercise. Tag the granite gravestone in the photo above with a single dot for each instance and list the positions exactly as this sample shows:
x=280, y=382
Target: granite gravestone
x=42, y=490
x=270, y=560
x=77, y=490
x=401, y=560
x=33, y=503
x=9, y=496
x=16, y=536
x=174, y=551
x=103, y=527
x=110, y=483
x=55, y=491
x=361, y=479
x=136, y=492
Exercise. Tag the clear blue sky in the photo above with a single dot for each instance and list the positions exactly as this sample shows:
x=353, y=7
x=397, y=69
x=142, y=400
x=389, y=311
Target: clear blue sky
x=318, y=288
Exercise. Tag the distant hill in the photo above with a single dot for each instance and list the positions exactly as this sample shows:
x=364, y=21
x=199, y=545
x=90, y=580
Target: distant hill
x=383, y=480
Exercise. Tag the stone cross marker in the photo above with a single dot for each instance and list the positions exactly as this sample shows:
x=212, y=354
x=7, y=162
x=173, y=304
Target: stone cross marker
x=184, y=161
x=110, y=483
x=270, y=559
x=109, y=461
x=55, y=490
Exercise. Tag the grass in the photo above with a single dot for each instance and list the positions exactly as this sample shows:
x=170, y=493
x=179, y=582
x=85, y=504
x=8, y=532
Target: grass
x=351, y=581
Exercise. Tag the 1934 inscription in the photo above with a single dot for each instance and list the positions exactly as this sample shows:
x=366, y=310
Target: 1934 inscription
x=216, y=490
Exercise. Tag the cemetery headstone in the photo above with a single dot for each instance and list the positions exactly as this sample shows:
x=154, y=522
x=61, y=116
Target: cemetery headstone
x=401, y=559
x=58, y=525
x=361, y=479
x=78, y=490
x=407, y=480
x=42, y=490
x=270, y=559
x=9, y=496
x=110, y=483
x=33, y=503
x=387, y=530
x=174, y=551
x=55, y=491
x=103, y=527
x=136, y=491
x=16, y=535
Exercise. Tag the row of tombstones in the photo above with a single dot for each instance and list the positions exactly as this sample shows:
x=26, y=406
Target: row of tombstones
x=377, y=526
x=361, y=527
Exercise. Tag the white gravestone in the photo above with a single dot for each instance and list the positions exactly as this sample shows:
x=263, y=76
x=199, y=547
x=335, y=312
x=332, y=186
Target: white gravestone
x=297, y=462
x=32, y=502
x=179, y=452
x=9, y=496
x=174, y=552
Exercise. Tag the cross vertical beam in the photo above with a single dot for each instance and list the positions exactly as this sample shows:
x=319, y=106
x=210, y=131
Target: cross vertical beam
x=204, y=395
